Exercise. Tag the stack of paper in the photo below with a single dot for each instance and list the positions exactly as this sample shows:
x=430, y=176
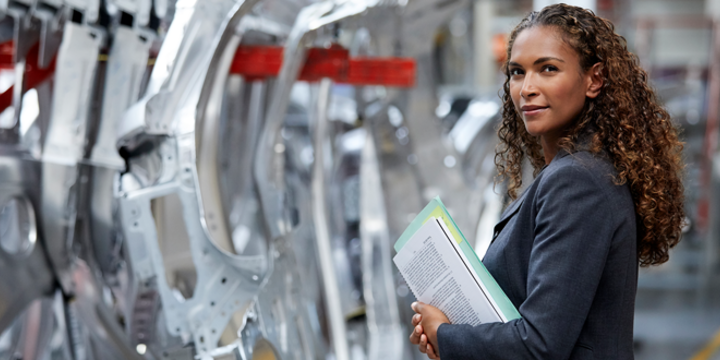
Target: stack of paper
x=441, y=269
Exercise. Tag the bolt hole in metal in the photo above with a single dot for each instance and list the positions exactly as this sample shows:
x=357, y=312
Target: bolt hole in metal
x=18, y=231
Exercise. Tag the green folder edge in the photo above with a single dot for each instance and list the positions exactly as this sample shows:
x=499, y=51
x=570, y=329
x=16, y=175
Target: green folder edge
x=436, y=209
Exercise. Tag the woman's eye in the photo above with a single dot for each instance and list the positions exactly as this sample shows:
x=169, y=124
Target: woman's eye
x=514, y=72
x=549, y=68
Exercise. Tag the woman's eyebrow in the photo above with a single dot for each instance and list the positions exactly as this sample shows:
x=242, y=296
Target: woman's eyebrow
x=538, y=61
x=546, y=59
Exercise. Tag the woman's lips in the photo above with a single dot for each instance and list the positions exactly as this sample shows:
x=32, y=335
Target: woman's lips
x=532, y=111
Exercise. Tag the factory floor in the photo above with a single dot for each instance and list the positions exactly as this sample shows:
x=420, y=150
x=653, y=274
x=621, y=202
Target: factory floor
x=677, y=325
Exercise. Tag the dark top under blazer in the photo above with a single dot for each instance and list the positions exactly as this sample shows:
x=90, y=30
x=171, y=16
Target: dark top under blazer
x=565, y=254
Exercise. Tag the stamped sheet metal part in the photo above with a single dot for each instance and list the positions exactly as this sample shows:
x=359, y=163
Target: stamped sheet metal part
x=427, y=140
x=322, y=228
x=188, y=48
x=475, y=138
x=102, y=294
x=86, y=219
x=283, y=319
x=26, y=207
x=225, y=282
x=387, y=336
x=140, y=9
x=269, y=163
x=207, y=133
x=94, y=332
x=50, y=14
x=280, y=319
x=268, y=166
x=65, y=143
x=21, y=235
x=40, y=186
x=25, y=33
x=74, y=189
x=126, y=66
x=417, y=161
x=31, y=333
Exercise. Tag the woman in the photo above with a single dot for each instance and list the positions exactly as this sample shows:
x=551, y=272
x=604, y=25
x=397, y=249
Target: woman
x=606, y=196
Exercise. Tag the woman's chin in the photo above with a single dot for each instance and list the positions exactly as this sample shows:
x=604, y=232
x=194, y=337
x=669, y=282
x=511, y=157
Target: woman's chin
x=534, y=130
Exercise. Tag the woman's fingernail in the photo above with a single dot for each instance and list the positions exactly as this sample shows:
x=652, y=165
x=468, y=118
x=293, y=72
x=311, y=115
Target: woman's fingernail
x=413, y=305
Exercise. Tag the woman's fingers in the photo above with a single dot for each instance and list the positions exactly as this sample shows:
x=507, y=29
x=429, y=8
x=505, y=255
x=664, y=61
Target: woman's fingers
x=416, y=319
x=415, y=336
x=418, y=337
x=423, y=344
x=430, y=351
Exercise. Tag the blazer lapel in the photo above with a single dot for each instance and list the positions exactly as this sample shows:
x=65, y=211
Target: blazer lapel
x=508, y=213
x=515, y=205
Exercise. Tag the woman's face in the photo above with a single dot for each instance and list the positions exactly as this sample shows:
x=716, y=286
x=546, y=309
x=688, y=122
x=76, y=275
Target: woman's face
x=547, y=84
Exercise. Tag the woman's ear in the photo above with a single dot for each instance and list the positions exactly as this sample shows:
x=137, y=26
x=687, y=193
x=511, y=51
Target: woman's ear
x=595, y=81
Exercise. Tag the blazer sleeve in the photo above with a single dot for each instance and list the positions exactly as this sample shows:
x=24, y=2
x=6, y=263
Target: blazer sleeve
x=573, y=233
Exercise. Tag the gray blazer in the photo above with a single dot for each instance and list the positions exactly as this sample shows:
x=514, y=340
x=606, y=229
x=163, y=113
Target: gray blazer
x=565, y=254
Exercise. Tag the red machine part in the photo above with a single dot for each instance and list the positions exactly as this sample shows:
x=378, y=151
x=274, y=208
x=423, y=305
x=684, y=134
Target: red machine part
x=325, y=63
x=399, y=72
x=7, y=50
x=33, y=76
x=258, y=62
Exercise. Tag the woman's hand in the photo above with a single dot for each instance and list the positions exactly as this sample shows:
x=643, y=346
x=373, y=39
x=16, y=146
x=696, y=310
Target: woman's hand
x=426, y=323
x=418, y=338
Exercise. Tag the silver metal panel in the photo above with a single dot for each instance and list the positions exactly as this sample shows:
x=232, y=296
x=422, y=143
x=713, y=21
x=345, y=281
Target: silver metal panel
x=387, y=335
x=31, y=271
x=289, y=214
x=65, y=144
x=126, y=66
x=322, y=233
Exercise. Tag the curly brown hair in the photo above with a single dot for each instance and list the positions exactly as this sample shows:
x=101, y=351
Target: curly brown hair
x=625, y=121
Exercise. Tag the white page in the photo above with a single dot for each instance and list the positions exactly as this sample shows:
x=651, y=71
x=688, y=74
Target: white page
x=475, y=276
x=437, y=276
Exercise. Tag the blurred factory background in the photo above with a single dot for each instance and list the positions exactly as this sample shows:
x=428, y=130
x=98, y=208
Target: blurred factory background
x=224, y=179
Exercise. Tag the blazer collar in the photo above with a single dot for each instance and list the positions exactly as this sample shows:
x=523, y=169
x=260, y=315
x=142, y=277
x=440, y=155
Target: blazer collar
x=560, y=154
x=513, y=207
x=507, y=214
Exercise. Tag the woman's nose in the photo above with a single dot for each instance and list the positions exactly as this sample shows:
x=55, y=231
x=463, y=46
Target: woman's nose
x=528, y=89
